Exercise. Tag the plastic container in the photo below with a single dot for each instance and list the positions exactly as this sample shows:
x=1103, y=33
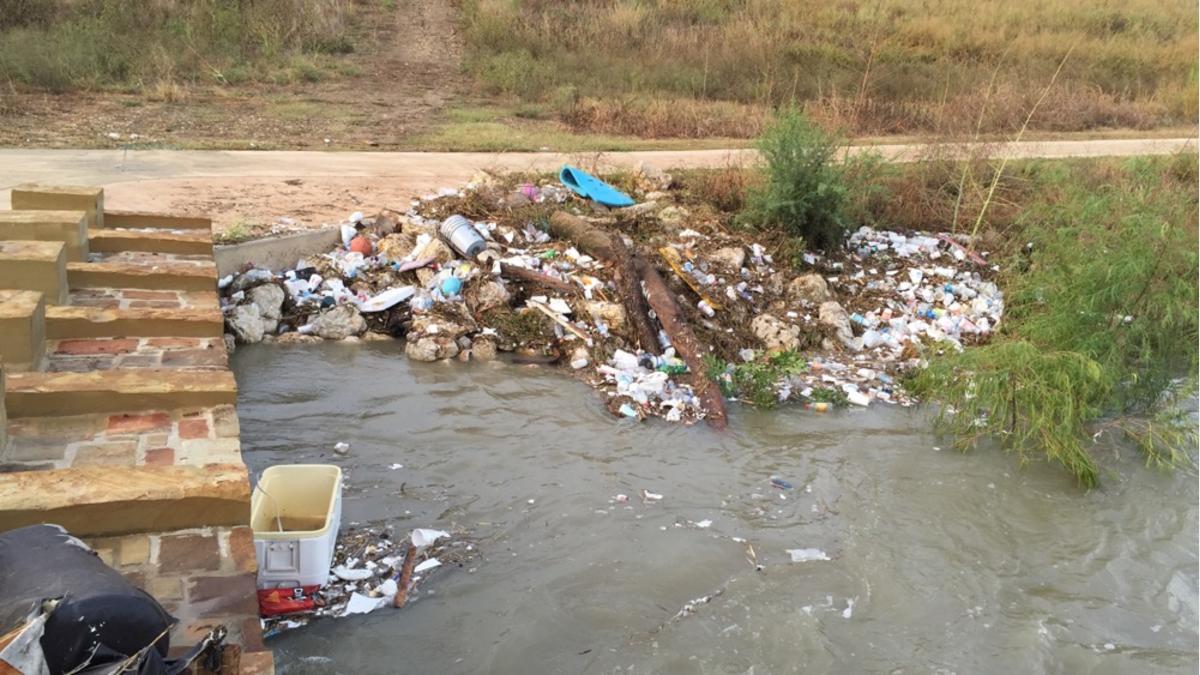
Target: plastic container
x=462, y=236
x=295, y=513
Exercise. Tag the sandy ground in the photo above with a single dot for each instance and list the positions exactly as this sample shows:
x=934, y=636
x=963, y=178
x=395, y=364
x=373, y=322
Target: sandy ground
x=249, y=189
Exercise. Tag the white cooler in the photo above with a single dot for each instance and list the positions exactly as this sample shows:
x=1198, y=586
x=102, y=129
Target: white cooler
x=295, y=513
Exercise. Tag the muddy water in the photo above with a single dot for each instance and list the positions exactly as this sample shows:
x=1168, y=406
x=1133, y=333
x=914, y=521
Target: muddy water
x=940, y=562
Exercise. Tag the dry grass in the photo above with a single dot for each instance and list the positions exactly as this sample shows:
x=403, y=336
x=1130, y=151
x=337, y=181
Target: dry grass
x=154, y=45
x=672, y=68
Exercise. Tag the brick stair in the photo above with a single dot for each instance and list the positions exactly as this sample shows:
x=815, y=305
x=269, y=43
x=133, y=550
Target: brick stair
x=118, y=417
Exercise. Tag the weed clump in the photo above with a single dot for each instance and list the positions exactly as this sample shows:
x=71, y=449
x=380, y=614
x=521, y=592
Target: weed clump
x=803, y=192
x=1100, y=321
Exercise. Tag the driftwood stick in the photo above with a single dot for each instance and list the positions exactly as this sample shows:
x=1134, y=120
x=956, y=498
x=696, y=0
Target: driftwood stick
x=514, y=272
x=662, y=301
x=406, y=572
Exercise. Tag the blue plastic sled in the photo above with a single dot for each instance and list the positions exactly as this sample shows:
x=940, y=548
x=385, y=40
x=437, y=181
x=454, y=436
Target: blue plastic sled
x=586, y=185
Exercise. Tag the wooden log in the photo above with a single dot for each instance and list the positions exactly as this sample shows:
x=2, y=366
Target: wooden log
x=514, y=272
x=662, y=301
x=611, y=248
x=590, y=240
x=629, y=283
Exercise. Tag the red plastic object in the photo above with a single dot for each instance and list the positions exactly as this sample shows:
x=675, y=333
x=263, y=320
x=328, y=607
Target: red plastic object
x=361, y=244
x=280, y=601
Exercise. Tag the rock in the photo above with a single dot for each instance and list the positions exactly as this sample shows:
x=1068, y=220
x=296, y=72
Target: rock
x=269, y=299
x=651, y=178
x=431, y=348
x=483, y=349
x=372, y=336
x=733, y=257
x=656, y=196
x=230, y=343
x=810, y=288
x=294, y=338
x=425, y=276
x=339, y=323
x=611, y=313
x=435, y=325
x=834, y=316
x=776, y=283
x=395, y=246
x=487, y=295
x=642, y=209
x=246, y=324
x=674, y=216
x=775, y=334
x=435, y=249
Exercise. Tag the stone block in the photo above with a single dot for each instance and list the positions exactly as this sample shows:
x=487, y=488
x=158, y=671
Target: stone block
x=188, y=552
x=148, y=220
x=133, y=550
x=84, y=322
x=69, y=227
x=164, y=275
x=223, y=595
x=35, y=266
x=22, y=329
x=61, y=198
x=94, y=501
x=106, y=453
x=114, y=241
x=112, y=391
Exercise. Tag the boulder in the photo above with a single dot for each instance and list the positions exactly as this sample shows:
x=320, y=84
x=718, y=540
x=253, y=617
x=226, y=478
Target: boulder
x=487, y=295
x=437, y=325
x=435, y=249
x=269, y=299
x=483, y=349
x=230, y=343
x=395, y=246
x=246, y=324
x=431, y=348
x=775, y=334
x=732, y=257
x=834, y=316
x=611, y=313
x=339, y=323
x=810, y=288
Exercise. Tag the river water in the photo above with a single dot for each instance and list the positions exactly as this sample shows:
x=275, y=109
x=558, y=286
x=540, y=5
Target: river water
x=940, y=562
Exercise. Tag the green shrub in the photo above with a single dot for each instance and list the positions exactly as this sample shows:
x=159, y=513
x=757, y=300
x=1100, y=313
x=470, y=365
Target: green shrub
x=803, y=191
x=1100, y=320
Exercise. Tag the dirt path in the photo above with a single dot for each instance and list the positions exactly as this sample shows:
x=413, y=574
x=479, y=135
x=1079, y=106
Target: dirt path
x=404, y=72
x=246, y=188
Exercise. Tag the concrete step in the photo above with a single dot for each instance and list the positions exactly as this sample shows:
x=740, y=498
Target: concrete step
x=187, y=242
x=22, y=330
x=146, y=219
x=178, y=276
x=55, y=394
x=113, y=500
x=61, y=198
x=66, y=322
x=69, y=227
x=36, y=266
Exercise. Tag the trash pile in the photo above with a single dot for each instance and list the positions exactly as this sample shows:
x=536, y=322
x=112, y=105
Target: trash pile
x=646, y=302
x=371, y=570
